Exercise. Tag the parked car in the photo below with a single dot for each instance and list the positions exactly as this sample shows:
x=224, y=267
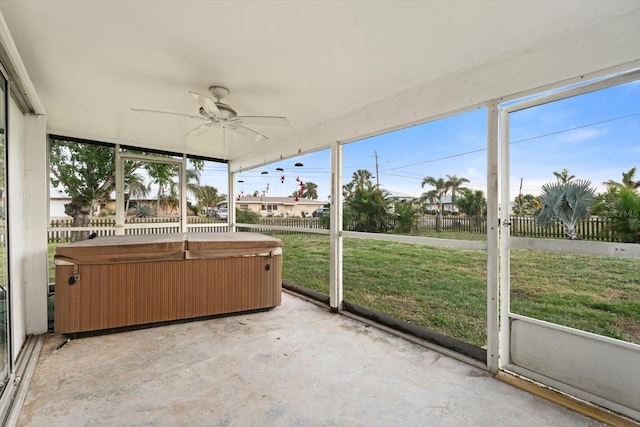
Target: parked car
x=222, y=213
x=320, y=212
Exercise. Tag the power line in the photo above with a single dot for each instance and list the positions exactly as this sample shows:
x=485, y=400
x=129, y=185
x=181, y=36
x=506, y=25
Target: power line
x=441, y=158
x=575, y=128
x=520, y=140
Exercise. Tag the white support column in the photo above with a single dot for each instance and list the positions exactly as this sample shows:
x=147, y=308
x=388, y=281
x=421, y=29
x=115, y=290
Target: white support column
x=120, y=205
x=35, y=213
x=335, y=243
x=183, y=195
x=504, y=346
x=493, y=256
x=231, y=200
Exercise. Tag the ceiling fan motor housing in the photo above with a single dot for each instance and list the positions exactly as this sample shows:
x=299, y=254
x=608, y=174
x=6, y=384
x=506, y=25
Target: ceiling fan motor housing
x=226, y=112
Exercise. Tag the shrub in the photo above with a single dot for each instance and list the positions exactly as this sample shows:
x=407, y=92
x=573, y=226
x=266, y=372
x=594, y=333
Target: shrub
x=406, y=218
x=247, y=216
x=106, y=212
x=143, y=211
x=624, y=219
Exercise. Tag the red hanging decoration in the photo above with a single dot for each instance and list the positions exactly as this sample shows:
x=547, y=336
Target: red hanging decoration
x=301, y=188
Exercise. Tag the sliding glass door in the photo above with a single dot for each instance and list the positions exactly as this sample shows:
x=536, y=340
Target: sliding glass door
x=4, y=269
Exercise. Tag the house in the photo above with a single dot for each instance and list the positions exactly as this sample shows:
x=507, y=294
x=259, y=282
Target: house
x=277, y=206
x=447, y=205
x=271, y=81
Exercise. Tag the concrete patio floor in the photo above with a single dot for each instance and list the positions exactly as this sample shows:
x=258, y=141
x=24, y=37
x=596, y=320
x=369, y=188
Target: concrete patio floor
x=295, y=365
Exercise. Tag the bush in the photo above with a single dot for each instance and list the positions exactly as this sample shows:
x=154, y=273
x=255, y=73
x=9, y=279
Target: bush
x=106, y=212
x=325, y=220
x=247, y=216
x=406, y=218
x=143, y=211
x=624, y=219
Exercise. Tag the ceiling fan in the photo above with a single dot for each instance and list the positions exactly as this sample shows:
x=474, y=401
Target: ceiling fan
x=215, y=113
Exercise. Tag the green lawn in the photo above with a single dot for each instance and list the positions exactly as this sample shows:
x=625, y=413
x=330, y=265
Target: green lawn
x=445, y=289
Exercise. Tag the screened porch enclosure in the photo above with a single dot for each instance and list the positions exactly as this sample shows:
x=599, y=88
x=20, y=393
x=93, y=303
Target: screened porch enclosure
x=433, y=281
x=462, y=175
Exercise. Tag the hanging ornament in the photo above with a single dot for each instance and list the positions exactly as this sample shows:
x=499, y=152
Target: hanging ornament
x=282, y=179
x=300, y=191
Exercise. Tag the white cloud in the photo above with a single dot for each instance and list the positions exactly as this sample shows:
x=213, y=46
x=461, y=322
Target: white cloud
x=582, y=134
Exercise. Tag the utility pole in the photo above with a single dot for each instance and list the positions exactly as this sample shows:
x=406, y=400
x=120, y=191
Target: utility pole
x=520, y=199
x=377, y=173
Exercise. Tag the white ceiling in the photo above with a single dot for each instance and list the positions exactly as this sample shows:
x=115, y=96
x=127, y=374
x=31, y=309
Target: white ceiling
x=323, y=65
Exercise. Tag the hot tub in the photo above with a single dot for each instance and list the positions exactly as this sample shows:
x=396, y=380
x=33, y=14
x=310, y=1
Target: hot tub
x=122, y=281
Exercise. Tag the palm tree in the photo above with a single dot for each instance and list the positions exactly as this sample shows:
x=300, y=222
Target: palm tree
x=454, y=183
x=208, y=197
x=564, y=176
x=193, y=181
x=435, y=195
x=368, y=209
x=347, y=189
x=362, y=179
x=568, y=202
x=310, y=191
x=134, y=186
x=163, y=175
x=627, y=181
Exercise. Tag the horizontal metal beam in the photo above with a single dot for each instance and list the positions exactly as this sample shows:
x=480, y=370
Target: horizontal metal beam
x=618, y=250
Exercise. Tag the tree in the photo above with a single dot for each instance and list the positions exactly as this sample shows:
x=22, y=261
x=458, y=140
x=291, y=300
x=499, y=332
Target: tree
x=134, y=187
x=310, y=191
x=347, y=189
x=454, y=184
x=435, y=194
x=405, y=217
x=564, y=177
x=208, y=196
x=624, y=219
x=86, y=173
x=627, y=181
x=193, y=176
x=525, y=205
x=472, y=203
x=368, y=209
x=568, y=202
x=164, y=175
x=362, y=179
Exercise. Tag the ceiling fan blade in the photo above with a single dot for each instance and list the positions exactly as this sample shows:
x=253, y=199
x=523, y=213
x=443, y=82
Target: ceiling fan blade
x=207, y=104
x=200, y=129
x=263, y=120
x=141, y=110
x=248, y=133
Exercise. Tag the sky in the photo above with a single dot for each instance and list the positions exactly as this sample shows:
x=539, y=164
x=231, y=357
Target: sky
x=596, y=136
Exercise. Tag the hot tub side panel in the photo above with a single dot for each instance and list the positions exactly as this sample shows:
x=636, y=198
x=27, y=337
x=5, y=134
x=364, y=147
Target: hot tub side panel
x=126, y=294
